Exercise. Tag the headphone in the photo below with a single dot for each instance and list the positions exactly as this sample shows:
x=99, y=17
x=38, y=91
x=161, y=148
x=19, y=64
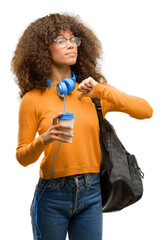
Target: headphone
x=66, y=86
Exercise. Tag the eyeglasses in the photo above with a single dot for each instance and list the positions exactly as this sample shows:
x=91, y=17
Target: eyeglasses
x=62, y=42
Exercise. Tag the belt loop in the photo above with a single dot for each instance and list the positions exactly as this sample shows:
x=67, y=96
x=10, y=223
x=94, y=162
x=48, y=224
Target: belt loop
x=86, y=180
x=62, y=181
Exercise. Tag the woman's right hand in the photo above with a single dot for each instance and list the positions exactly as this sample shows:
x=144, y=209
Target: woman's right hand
x=55, y=129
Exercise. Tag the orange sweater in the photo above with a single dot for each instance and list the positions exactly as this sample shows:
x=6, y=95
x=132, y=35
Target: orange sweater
x=83, y=155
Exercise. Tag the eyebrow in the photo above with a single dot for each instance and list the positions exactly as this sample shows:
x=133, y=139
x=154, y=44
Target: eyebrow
x=62, y=35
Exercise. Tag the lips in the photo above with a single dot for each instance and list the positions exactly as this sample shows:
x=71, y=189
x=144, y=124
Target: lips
x=72, y=54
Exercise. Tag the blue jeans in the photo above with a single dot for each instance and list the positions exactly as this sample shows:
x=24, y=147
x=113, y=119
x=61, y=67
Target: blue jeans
x=70, y=204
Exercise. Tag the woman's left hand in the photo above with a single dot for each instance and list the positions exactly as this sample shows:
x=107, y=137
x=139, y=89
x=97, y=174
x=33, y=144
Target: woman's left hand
x=86, y=87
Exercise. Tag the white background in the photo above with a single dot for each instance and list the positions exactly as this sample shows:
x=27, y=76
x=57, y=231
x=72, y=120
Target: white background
x=133, y=35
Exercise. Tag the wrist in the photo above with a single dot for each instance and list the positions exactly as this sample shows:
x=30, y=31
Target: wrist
x=43, y=140
x=96, y=90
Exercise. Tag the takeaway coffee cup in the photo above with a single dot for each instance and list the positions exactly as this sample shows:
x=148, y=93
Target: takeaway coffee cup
x=68, y=119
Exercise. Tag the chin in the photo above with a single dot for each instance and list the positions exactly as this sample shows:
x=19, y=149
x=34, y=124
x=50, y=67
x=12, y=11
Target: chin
x=72, y=62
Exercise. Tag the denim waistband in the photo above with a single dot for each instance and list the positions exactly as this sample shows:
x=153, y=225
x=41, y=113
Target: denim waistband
x=79, y=176
x=71, y=178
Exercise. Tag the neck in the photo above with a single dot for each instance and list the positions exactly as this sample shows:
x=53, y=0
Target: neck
x=59, y=73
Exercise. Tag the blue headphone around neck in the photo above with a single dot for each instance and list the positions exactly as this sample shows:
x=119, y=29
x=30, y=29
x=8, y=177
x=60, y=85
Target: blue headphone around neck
x=66, y=86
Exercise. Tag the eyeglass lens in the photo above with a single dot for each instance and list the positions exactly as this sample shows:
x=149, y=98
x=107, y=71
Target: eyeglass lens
x=62, y=42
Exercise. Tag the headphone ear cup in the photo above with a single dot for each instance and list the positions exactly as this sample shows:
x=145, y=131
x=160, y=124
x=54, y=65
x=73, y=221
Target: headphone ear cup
x=66, y=86
x=62, y=89
x=70, y=84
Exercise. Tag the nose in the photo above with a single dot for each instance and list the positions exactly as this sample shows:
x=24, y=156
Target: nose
x=69, y=44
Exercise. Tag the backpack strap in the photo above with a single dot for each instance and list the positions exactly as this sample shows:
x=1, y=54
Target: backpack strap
x=97, y=103
x=103, y=142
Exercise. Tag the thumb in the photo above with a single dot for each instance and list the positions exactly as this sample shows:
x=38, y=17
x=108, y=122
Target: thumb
x=85, y=94
x=54, y=120
x=82, y=95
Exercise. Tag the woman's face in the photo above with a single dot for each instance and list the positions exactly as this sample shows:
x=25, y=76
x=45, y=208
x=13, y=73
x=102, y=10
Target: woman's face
x=66, y=55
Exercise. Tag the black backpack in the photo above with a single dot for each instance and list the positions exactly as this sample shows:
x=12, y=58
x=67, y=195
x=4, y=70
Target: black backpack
x=120, y=175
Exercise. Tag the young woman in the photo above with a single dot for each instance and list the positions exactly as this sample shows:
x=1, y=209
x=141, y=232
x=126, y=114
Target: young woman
x=67, y=197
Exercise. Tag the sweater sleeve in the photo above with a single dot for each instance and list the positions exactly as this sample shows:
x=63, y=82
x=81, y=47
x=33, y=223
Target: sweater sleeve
x=28, y=149
x=113, y=99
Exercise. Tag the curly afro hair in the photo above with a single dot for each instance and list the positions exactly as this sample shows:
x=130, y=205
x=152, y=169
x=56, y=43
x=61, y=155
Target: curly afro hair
x=32, y=61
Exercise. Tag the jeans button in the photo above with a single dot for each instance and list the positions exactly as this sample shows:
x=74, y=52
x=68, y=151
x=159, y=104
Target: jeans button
x=76, y=180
